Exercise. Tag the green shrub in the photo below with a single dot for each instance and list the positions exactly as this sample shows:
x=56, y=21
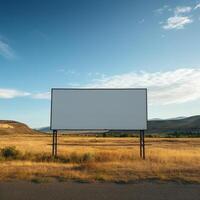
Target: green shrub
x=10, y=152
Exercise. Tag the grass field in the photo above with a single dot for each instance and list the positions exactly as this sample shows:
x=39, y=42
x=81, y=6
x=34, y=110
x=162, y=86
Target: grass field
x=100, y=159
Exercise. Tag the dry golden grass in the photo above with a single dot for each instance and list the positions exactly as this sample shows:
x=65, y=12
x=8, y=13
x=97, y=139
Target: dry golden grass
x=102, y=159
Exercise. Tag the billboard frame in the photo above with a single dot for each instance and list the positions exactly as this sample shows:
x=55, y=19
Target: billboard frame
x=145, y=89
x=55, y=131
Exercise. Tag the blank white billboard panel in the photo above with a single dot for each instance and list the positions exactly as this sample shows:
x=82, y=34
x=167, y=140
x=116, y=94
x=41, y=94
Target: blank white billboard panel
x=112, y=109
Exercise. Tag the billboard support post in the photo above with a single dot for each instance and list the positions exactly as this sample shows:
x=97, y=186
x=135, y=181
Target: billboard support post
x=54, y=143
x=142, y=145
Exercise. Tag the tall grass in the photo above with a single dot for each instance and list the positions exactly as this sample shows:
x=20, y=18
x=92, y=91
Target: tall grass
x=12, y=153
x=110, y=159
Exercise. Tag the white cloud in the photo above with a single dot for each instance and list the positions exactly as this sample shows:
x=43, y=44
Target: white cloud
x=169, y=87
x=177, y=22
x=178, y=86
x=67, y=71
x=44, y=95
x=183, y=9
x=12, y=93
x=6, y=51
x=180, y=17
x=197, y=6
x=162, y=9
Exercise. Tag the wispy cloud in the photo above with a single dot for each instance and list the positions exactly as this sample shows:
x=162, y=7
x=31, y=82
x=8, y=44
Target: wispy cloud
x=182, y=16
x=162, y=9
x=182, y=9
x=6, y=51
x=177, y=22
x=197, y=6
x=68, y=72
x=12, y=93
x=169, y=87
x=178, y=86
x=44, y=95
x=141, y=21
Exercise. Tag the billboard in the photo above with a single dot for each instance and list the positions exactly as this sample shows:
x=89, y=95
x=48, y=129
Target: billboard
x=98, y=109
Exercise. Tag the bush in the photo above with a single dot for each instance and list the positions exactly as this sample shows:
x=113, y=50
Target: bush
x=10, y=152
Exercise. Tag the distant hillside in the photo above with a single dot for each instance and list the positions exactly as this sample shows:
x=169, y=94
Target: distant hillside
x=171, y=125
x=178, y=126
x=13, y=127
x=185, y=125
x=44, y=129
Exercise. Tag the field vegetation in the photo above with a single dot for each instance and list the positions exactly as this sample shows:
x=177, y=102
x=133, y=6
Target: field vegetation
x=99, y=159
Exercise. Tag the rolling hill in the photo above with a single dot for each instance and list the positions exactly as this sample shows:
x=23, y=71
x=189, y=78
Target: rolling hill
x=183, y=126
x=187, y=124
x=174, y=125
x=9, y=127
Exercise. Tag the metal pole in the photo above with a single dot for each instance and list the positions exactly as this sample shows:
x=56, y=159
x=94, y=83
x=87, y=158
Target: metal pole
x=143, y=146
x=56, y=138
x=53, y=143
x=140, y=144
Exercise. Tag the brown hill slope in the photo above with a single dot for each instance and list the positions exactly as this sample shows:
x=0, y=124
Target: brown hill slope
x=8, y=127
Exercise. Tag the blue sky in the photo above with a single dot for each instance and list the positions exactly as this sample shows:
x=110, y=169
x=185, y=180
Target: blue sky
x=92, y=43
